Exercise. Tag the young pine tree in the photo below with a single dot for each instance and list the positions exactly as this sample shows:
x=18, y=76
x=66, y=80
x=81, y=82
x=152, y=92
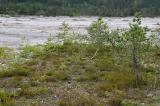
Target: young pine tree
x=136, y=41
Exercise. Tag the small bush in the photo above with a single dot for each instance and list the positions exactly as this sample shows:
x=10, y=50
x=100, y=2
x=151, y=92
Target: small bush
x=90, y=74
x=16, y=70
x=88, y=77
x=31, y=51
x=56, y=76
x=106, y=65
x=116, y=80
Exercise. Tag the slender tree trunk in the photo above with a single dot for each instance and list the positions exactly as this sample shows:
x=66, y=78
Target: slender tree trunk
x=135, y=66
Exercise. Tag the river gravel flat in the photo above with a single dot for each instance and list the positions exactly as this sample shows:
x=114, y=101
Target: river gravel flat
x=36, y=29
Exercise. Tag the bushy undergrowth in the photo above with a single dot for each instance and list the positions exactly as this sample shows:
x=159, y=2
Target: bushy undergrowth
x=71, y=62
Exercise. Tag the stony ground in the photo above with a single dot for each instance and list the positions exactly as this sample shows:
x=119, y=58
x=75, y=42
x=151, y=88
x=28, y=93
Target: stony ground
x=37, y=29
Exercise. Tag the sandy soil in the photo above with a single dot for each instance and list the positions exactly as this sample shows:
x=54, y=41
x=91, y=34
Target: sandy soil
x=36, y=29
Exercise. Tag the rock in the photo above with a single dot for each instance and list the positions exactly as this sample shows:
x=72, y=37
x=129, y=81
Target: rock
x=150, y=95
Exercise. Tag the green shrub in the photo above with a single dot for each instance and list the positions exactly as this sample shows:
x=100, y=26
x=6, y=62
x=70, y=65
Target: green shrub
x=88, y=77
x=98, y=32
x=31, y=51
x=56, y=76
x=116, y=80
x=16, y=70
x=90, y=73
x=49, y=47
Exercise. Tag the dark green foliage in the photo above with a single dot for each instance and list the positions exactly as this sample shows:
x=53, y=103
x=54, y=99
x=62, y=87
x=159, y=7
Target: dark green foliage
x=79, y=7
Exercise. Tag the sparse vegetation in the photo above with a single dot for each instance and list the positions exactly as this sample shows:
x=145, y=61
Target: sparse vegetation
x=96, y=73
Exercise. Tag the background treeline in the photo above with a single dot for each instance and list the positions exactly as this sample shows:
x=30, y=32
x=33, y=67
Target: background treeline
x=79, y=7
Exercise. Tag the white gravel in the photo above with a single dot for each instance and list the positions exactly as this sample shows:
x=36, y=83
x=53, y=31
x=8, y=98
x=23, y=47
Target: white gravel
x=36, y=29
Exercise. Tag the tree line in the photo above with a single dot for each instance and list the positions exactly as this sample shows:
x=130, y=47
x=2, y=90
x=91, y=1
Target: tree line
x=79, y=7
